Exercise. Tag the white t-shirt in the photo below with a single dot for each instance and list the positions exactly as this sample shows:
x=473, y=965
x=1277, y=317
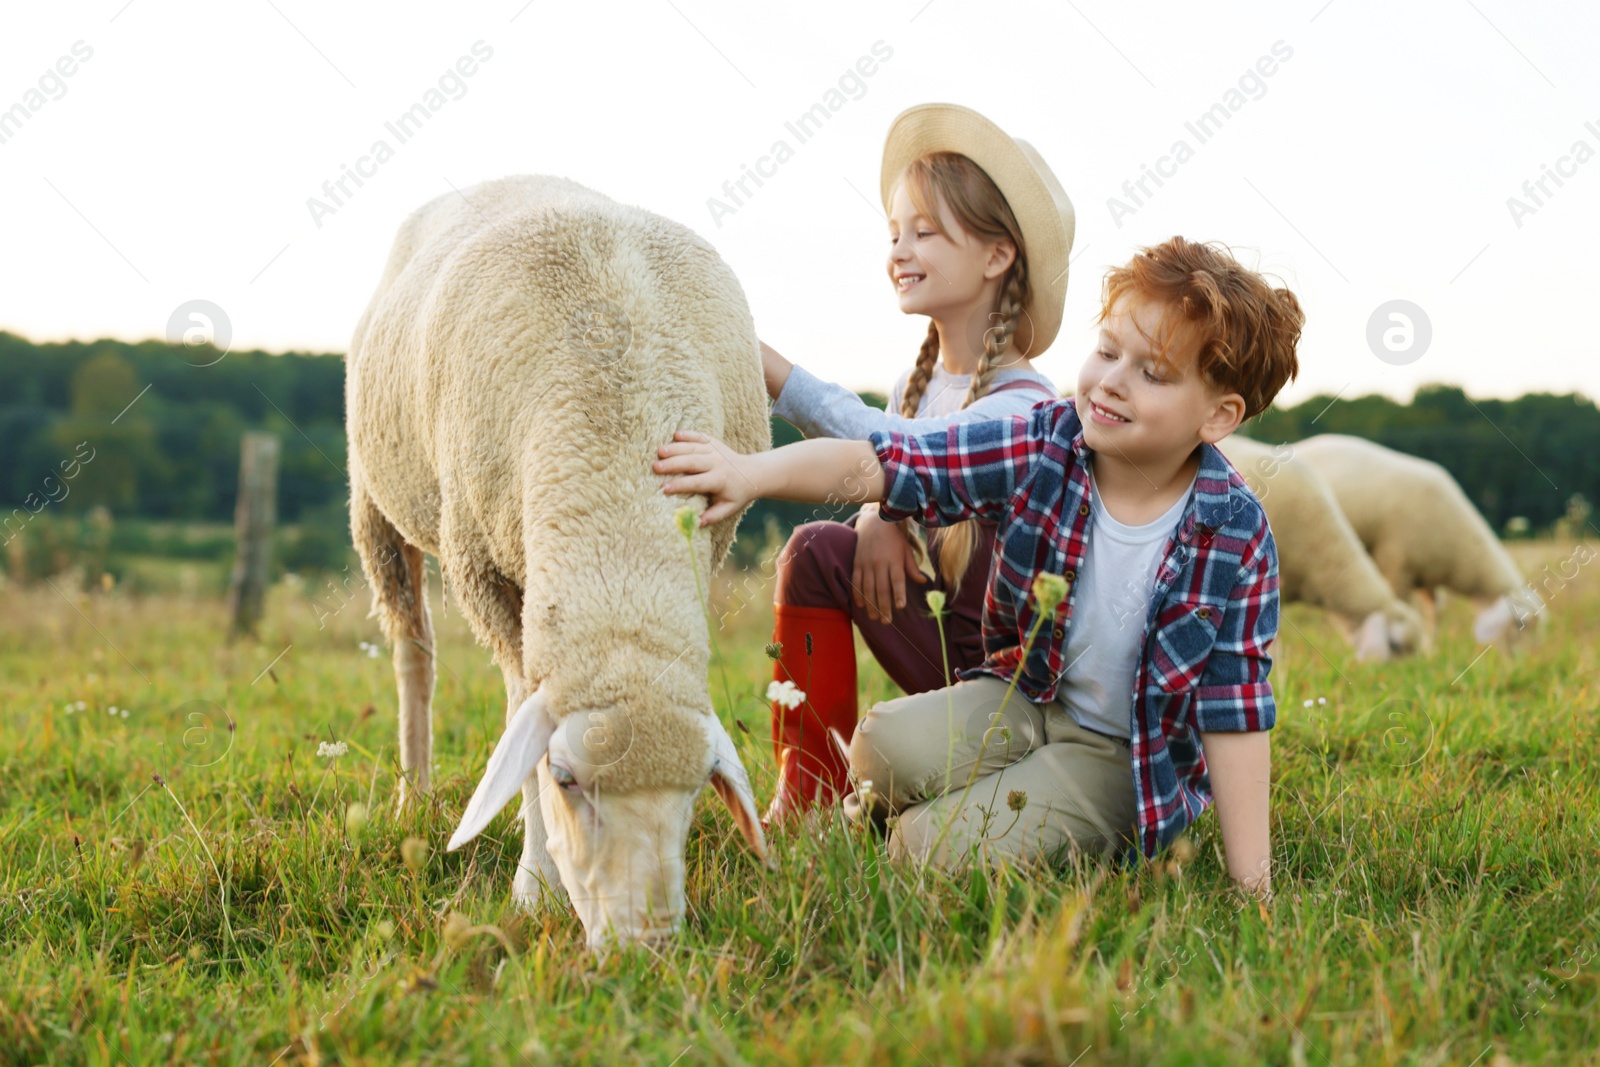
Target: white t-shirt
x=1115, y=584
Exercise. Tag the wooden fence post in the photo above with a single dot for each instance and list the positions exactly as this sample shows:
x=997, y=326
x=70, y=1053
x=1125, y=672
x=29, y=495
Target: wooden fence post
x=254, y=516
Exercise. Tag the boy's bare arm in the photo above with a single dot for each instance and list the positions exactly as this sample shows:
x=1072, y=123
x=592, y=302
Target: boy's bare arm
x=1239, y=765
x=819, y=471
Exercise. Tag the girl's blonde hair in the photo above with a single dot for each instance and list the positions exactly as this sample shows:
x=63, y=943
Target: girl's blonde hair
x=981, y=209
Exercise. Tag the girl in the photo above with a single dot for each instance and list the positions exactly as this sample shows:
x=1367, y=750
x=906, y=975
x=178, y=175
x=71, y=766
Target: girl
x=979, y=231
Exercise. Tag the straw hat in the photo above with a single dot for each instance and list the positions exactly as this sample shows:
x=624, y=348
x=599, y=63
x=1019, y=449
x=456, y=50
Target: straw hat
x=1032, y=191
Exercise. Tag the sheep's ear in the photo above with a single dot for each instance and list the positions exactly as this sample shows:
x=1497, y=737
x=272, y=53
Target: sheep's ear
x=732, y=784
x=521, y=747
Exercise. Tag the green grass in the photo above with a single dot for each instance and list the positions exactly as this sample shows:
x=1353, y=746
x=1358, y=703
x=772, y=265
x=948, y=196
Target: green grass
x=1433, y=837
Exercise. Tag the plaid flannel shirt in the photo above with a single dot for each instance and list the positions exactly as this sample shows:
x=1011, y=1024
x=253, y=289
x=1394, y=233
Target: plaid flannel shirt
x=1204, y=660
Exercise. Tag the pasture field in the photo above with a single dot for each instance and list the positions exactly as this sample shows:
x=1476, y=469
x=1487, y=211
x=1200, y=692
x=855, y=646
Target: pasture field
x=1434, y=839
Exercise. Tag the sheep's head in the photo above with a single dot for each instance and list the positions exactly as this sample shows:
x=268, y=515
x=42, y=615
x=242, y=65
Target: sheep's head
x=1389, y=633
x=1507, y=619
x=616, y=807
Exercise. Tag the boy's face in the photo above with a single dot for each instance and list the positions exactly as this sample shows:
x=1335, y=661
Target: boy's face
x=1165, y=408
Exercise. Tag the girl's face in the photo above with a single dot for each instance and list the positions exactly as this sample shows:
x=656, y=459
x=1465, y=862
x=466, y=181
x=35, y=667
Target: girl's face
x=943, y=275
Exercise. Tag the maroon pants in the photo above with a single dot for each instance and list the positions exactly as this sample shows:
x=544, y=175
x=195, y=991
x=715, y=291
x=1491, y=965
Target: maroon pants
x=814, y=572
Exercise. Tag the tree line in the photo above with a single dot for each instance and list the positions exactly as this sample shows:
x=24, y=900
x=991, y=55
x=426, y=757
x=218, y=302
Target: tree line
x=161, y=431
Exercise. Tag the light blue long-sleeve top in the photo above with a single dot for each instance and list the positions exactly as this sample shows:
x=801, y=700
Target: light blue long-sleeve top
x=823, y=409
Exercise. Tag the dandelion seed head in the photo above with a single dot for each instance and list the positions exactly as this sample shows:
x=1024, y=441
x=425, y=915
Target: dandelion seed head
x=685, y=518
x=456, y=930
x=355, y=820
x=414, y=851
x=1049, y=590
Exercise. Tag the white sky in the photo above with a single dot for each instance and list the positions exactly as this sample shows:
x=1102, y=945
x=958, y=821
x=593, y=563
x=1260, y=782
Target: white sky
x=1376, y=166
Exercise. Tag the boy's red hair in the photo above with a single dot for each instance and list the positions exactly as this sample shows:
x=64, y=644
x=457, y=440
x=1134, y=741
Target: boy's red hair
x=1243, y=331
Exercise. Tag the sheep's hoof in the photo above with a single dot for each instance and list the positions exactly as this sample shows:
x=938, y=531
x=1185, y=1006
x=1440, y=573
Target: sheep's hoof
x=409, y=797
x=535, y=891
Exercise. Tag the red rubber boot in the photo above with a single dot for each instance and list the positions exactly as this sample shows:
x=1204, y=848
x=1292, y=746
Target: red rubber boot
x=819, y=657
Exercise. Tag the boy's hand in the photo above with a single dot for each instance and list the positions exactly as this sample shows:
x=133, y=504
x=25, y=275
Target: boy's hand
x=711, y=468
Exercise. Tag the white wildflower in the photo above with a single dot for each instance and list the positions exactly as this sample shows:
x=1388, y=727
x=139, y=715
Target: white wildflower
x=1322, y=700
x=1307, y=703
x=786, y=694
x=332, y=749
x=370, y=649
x=112, y=711
x=124, y=712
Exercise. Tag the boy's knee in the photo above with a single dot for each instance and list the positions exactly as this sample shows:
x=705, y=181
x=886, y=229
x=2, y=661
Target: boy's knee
x=922, y=836
x=880, y=753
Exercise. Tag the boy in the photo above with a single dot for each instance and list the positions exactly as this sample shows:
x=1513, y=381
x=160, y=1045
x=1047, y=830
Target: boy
x=1126, y=734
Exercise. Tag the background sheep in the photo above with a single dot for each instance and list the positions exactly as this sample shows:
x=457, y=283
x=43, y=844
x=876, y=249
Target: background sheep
x=1320, y=559
x=1423, y=532
x=530, y=345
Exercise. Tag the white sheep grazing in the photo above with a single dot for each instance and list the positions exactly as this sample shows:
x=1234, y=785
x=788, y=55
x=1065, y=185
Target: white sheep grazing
x=1423, y=532
x=529, y=347
x=1320, y=559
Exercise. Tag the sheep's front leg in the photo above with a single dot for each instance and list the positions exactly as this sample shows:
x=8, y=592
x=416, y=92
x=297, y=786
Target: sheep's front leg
x=1428, y=607
x=538, y=881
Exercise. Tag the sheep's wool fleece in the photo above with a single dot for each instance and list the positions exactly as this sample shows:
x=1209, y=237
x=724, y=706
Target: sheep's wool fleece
x=1414, y=517
x=1321, y=559
x=529, y=347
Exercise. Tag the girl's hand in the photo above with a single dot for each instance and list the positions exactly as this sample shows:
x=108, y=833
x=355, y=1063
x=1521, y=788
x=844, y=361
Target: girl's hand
x=711, y=468
x=884, y=559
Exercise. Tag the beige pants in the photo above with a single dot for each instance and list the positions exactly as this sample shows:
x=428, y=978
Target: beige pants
x=918, y=752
